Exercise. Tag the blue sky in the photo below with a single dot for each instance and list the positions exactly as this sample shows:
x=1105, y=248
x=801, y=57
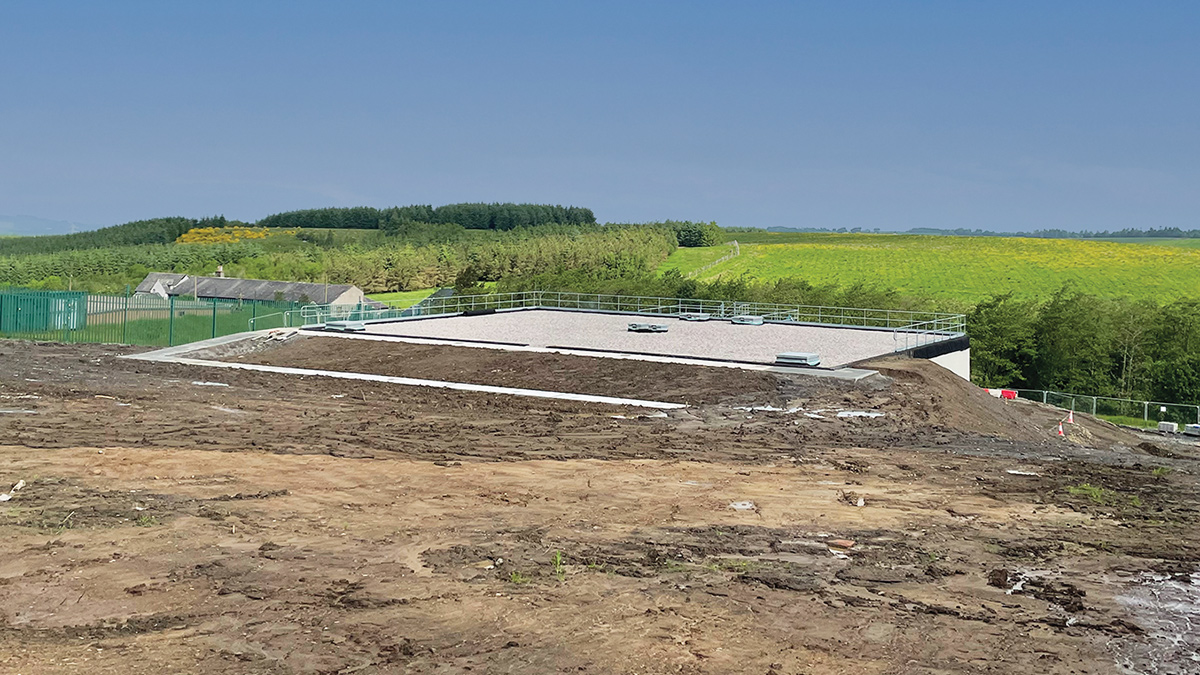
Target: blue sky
x=1006, y=116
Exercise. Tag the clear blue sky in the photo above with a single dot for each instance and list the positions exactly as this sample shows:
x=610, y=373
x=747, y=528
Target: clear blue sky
x=997, y=115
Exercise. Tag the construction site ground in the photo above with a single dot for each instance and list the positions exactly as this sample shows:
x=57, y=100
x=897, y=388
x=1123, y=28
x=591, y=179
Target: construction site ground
x=182, y=519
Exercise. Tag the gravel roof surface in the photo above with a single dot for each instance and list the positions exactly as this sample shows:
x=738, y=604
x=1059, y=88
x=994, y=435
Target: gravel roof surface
x=714, y=339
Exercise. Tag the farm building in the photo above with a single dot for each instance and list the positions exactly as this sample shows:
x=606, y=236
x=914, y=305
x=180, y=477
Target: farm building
x=166, y=285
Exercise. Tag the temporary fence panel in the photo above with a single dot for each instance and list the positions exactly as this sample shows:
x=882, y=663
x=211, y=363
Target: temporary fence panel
x=1107, y=406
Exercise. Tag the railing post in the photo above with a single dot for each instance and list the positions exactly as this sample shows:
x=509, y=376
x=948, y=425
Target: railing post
x=125, y=319
x=171, y=323
x=214, y=318
x=1145, y=411
x=1043, y=396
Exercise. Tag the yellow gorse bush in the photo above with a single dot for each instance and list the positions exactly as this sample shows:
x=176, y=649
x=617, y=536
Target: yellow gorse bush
x=229, y=235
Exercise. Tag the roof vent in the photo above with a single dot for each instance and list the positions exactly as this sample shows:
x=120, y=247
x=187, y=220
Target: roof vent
x=802, y=359
x=647, y=328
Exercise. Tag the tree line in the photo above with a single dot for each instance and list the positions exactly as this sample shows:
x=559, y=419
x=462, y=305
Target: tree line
x=475, y=216
x=1127, y=233
x=1081, y=343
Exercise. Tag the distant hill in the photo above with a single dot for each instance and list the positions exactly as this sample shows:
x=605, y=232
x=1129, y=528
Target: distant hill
x=156, y=231
x=32, y=225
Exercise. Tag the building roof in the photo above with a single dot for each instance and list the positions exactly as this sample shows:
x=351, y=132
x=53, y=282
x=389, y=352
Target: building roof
x=240, y=289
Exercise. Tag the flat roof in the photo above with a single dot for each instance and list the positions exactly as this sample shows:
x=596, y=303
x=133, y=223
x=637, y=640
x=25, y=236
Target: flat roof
x=714, y=339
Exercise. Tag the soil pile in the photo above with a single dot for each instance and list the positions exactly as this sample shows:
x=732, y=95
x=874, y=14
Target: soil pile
x=950, y=401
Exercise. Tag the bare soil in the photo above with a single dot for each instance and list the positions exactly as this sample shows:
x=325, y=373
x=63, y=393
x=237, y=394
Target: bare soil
x=530, y=370
x=309, y=525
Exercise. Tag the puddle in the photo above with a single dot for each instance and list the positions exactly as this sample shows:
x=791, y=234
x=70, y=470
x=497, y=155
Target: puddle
x=1168, y=608
x=860, y=413
x=232, y=411
x=210, y=384
x=17, y=412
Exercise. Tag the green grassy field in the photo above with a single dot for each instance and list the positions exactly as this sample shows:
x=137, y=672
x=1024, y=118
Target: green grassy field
x=1130, y=421
x=343, y=236
x=957, y=268
x=402, y=299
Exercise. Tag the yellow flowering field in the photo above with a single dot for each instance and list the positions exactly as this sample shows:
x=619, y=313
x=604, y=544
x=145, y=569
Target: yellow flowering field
x=959, y=268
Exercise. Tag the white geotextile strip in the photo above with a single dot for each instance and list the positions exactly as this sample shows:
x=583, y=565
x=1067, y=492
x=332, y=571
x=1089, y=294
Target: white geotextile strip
x=436, y=384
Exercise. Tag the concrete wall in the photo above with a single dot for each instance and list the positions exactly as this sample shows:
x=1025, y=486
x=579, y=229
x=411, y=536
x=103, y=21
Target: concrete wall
x=958, y=363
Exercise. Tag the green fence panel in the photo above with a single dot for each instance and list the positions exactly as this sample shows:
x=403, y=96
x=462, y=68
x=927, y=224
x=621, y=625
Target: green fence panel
x=74, y=316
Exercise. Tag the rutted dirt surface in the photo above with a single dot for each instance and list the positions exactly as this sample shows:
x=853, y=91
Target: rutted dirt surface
x=554, y=372
x=307, y=525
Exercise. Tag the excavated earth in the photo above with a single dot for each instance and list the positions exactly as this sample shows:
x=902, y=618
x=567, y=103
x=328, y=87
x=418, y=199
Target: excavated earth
x=200, y=520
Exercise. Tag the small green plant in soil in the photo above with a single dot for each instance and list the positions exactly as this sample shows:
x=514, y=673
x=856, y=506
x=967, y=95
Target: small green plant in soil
x=557, y=561
x=729, y=565
x=1095, y=494
x=518, y=578
x=146, y=520
x=1104, y=496
x=1161, y=471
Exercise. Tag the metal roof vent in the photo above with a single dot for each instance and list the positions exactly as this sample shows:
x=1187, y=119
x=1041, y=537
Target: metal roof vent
x=802, y=359
x=647, y=328
x=747, y=320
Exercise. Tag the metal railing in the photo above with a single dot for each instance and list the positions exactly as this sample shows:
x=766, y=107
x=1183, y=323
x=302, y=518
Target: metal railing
x=927, y=333
x=910, y=328
x=1108, y=406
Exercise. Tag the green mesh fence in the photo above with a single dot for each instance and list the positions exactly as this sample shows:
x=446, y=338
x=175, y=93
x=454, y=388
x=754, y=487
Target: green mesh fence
x=66, y=316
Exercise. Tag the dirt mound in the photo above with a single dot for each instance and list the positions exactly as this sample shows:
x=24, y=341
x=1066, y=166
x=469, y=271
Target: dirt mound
x=950, y=401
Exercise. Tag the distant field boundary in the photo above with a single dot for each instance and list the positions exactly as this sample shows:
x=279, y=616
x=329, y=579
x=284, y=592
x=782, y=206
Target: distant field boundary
x=737, y=250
